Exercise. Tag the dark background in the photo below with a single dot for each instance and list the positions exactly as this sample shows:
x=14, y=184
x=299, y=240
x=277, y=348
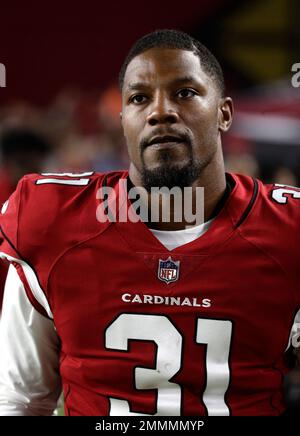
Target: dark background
x=47, y=46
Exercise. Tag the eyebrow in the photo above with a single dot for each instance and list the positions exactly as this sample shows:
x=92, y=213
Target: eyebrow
x=137, y=85
x=185, y=79
x=179, y=81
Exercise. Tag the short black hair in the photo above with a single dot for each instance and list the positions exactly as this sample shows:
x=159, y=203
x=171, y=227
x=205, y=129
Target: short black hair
x=168, y=38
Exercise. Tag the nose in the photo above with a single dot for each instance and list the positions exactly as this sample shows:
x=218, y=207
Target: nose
x=162, y=112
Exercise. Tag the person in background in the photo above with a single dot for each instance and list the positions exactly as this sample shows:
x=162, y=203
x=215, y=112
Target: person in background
x=23, y=151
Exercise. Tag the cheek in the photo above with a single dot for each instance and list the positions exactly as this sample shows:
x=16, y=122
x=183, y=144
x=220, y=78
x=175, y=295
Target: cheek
x=129, y=132
x=205, y=123
x=205, y=133
x=130, y=126
x=132, y=138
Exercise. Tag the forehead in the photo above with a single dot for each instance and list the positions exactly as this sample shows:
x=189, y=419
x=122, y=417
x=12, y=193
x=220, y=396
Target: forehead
x=164, y=65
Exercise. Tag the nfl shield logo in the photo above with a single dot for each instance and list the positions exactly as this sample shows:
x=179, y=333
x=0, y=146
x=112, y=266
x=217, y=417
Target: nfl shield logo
x=168, y=270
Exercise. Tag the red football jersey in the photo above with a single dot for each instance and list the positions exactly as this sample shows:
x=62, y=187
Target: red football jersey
x=198, y=330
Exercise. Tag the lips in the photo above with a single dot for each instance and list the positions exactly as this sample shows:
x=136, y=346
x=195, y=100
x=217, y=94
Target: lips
x=166, y=139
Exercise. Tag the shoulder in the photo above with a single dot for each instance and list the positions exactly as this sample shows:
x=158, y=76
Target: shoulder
x=52, y=207
x=270, y=216
x=281, y=202
x=267, y=202
x=281, y=194
x=61, y=185
x=272, y=222
x=50, y=191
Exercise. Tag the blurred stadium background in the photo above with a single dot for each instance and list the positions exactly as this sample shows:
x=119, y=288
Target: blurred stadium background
x=60, y=108
x=62, y=64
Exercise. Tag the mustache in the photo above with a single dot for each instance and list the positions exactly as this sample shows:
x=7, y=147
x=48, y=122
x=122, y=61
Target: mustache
x=182, y=136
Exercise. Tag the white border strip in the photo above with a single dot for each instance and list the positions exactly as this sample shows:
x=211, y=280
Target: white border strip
x=32, y=281
x=69, y=174
x=79, y=182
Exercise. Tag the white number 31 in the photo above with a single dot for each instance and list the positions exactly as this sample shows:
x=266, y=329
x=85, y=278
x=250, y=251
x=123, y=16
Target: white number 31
x=216, y=334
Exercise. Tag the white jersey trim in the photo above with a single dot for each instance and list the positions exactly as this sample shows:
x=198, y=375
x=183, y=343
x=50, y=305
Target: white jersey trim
x=33, y=282
x=90, y=173
x=79, y=182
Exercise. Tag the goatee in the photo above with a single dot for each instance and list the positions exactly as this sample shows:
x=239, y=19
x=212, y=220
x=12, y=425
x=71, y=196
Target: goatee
x=169, y=175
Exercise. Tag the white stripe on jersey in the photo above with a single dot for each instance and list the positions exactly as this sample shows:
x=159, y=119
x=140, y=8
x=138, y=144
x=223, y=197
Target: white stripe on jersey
x=33, y=282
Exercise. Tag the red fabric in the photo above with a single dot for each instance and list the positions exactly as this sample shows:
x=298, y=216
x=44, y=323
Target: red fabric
x=237, y=291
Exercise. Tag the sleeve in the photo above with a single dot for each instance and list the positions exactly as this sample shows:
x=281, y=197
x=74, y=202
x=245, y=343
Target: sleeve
x=11, y=248
x=29, y=355
x=9, y=220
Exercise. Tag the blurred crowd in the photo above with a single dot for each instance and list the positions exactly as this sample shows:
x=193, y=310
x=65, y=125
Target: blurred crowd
x=78, y=131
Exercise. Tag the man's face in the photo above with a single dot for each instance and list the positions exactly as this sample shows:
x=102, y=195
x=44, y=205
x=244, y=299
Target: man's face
x=171, y=117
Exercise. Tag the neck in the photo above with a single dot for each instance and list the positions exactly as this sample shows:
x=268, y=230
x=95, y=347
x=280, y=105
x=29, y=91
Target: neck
x=212, y=179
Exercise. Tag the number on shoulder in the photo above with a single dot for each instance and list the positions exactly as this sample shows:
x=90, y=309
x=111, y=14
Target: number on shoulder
x=281, y=193
x=74, y=179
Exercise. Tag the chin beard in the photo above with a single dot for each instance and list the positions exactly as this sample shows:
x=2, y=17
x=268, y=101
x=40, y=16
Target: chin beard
x=171, y=176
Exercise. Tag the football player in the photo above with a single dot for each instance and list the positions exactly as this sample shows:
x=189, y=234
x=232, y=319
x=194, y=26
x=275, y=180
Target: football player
x=139, y=317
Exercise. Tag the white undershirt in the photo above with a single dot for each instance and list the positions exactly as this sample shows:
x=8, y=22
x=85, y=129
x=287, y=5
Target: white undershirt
x=29, y=347
x=176, y=238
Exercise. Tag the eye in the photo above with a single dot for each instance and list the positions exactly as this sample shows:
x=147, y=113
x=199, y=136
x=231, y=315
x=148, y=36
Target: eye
x=138, y=99
x=186, y=93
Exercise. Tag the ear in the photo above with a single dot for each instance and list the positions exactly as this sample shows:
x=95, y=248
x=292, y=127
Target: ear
x=225, y=114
